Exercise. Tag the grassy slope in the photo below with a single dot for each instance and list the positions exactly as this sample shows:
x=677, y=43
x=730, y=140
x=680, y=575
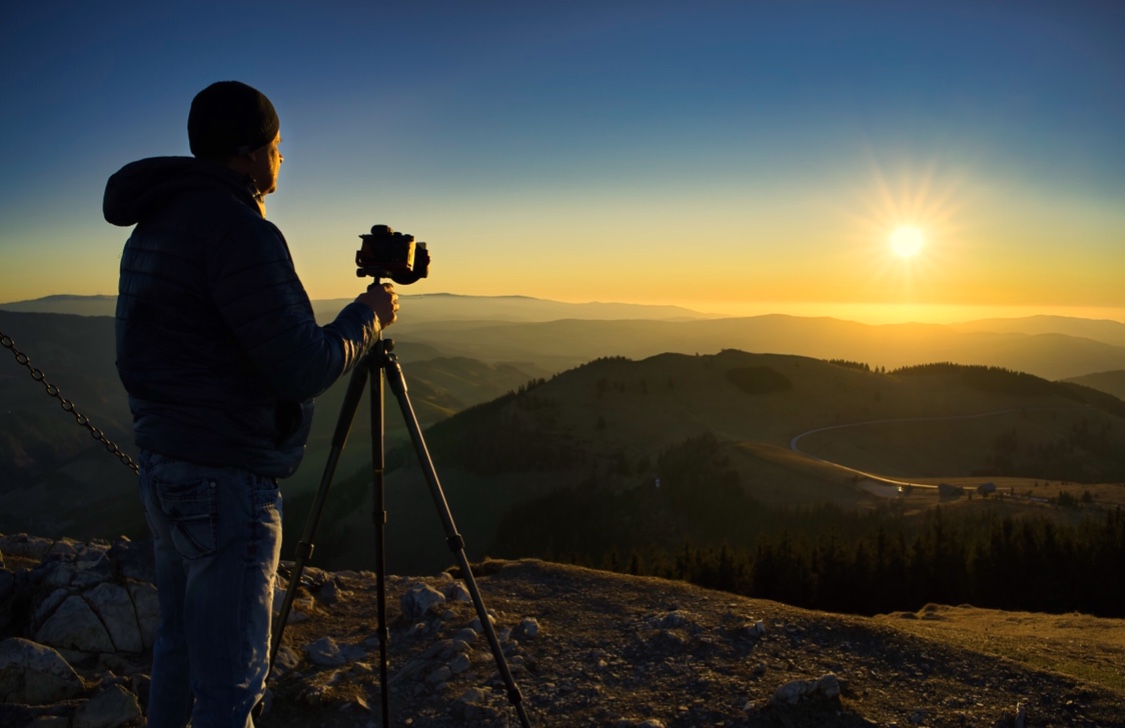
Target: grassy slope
x=1087, y=648
x=619, y=410
x=642, y=406
x=1110, y=382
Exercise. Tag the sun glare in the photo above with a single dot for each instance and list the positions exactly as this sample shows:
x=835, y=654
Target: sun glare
x=906, y=241
x=905, y=234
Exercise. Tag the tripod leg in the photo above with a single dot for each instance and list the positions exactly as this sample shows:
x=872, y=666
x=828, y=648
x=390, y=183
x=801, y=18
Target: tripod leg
x=379, y=517
x=456, y=543
x=305, y=545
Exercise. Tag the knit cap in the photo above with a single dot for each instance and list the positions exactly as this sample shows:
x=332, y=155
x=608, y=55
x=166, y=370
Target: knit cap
x=229, y=119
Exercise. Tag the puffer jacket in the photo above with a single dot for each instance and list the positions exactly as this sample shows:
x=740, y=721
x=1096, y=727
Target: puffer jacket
x=217, y=345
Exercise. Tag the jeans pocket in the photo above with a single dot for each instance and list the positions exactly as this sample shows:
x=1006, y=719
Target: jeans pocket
x=191, y=508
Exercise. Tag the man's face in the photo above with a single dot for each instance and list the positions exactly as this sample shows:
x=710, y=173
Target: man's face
x=266, y=163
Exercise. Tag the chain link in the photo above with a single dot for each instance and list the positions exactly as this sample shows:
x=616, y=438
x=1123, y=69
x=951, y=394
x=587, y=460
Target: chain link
x=68, y=406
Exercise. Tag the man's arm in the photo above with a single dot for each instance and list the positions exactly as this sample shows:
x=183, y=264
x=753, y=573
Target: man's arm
x=259, y=295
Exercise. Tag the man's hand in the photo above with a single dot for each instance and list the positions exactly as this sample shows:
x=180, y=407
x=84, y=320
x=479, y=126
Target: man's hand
x=382, y=299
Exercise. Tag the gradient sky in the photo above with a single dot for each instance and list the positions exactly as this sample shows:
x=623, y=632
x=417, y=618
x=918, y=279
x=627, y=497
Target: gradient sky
x=736, y=157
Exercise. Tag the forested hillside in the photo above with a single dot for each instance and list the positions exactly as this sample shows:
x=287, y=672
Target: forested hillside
x=696, y=523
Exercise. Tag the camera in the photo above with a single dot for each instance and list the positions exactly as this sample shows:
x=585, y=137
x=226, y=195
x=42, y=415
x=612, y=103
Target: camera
x=387, y=254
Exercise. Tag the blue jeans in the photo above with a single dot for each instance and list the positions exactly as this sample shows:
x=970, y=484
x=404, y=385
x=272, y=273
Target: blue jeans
x=217, y=534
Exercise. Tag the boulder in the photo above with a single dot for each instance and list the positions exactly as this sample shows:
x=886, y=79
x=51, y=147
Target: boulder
x=529, y=627
x=827, y=687
x=75, y=626
x=147, y=607
x=111, y=707
x=47, y=606
x=133, y=559
x=457, y=592
x=325, y=652
x=111, y=602
x=418, y=600
x=7, y=582
x=459, y=664
x=34, y=674
x=66, y=548
x=24, y=546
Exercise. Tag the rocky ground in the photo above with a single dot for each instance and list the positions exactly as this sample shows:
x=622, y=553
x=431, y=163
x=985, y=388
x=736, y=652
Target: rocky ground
x=584, y=647
x=598, y=649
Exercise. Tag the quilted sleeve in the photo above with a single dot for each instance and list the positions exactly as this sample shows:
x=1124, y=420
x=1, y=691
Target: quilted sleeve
x=260, y=297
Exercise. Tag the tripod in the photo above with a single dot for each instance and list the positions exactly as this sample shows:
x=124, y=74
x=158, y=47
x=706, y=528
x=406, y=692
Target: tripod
x=380, y=359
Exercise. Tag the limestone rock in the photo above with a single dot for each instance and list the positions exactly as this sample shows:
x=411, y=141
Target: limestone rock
x=111, y=602
x=330, y=593
x=459, y=664
x=478, y=627
x=418, y=599
x=48, y=605
x=111, y=707
x=467, y=635
x=34, y=674
x=285, y=661
x=829, y=686
x=457, y=592
x=66, y=548
x=147, y=607
x=28, y=547
x=133, y=559
x=75, y=626
x=440, y=675
x=472, y=695
x=325, y=652
x=7, y=581
x=791, y=693
x=61, y=575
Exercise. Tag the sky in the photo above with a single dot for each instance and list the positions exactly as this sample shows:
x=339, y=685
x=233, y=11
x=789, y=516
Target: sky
x=732, y=157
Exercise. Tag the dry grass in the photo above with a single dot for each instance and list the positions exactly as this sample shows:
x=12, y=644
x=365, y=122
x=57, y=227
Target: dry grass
x=1089, y=649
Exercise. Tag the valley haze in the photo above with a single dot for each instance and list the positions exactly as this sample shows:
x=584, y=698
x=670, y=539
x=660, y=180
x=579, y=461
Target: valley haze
x=556, y=335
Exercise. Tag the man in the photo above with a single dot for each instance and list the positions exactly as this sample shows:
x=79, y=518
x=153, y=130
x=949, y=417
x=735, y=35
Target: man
x=221, y=356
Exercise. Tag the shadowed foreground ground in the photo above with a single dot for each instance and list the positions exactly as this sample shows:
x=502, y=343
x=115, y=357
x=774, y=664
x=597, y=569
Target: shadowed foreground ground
x=590, y=648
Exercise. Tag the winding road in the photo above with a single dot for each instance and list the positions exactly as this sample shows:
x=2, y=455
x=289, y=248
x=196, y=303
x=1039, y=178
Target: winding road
x=891, y=481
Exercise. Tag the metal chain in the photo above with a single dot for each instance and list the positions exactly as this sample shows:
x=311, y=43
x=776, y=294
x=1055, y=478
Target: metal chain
x=68, y=406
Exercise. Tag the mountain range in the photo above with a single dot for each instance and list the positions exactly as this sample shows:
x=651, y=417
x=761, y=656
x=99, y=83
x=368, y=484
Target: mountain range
x=554, y=336
x=584, y=390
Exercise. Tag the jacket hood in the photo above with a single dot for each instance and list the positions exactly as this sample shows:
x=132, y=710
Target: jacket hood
x=138, y=188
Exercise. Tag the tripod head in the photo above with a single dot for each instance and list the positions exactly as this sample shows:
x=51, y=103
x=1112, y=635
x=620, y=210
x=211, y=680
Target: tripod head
x=387, y=254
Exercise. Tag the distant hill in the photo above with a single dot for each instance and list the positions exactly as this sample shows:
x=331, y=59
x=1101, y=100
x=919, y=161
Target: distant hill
x=613, y=411
x=453, y=307
x=62, y=303
x=1110, y=382
x=553, y=336
x=607, y=425
x=1109, y=332
x=427, y=307
x=566, y=343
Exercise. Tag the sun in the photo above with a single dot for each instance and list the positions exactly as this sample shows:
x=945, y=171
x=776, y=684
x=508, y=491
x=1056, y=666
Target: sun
x=906, y=241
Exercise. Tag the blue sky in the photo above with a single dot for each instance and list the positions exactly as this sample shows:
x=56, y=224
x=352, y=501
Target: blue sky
x=732, y=156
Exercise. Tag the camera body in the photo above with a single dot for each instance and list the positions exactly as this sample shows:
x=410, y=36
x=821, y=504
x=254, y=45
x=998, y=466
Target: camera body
x=387, y=254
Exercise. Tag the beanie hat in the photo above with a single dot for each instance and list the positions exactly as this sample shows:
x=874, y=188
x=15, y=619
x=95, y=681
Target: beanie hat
x=229, y=119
